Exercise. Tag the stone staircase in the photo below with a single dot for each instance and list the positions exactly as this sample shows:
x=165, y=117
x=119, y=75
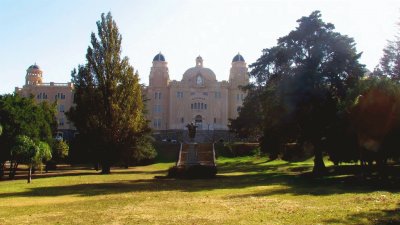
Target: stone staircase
x=196, y=154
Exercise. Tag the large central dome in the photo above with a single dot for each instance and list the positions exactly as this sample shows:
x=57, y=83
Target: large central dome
x=192, y=73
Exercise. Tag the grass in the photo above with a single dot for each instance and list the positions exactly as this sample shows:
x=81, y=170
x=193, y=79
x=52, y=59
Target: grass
x=246, y=191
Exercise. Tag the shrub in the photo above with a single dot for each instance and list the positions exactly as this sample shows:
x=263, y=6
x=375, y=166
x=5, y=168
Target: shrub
x=192, y=172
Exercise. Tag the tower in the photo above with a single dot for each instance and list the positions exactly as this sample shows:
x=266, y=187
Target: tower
x=33, y=75
x=199, y=61
x=158, y=92
x=238, y=77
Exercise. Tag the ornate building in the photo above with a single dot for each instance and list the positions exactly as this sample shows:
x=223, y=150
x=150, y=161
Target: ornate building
x=199, y=97
x=61, y=93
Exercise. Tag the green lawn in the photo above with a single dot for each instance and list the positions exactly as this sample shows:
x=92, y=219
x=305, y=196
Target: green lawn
x=246, y=191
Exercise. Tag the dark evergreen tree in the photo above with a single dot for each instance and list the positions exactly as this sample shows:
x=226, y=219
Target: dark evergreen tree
x=109, y=110
x=304, y=79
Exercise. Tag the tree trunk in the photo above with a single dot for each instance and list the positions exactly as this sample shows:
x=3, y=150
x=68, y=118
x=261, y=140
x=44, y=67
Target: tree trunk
x=105, y=168
x=29, y=174
x=2, y=165
x=319, y=165
x=13, y=169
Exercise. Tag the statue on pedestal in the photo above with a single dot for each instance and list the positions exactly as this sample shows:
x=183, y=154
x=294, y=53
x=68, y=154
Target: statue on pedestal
x=192, y=130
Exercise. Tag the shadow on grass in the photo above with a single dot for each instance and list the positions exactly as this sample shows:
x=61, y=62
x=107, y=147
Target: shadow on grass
x=378, y=217
x=231, y=176
x=75, y=171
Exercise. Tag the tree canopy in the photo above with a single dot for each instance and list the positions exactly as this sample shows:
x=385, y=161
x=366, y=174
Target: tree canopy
x=389, y=65
x=22, y=117
x=109, y=110
x=303, y=79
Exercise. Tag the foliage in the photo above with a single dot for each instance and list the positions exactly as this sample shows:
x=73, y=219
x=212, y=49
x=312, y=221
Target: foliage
x=60, y=150
x=24, y=150
x=303, y=80
x=389, y=65
x=192, y=172
x=247, y=124
x=43, y=154
x=375, y=115
x=236, y=149
x=23, y=117
x=109, y=110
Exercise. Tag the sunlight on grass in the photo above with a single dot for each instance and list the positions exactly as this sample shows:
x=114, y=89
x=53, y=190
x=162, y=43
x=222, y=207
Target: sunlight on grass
x=246, y=190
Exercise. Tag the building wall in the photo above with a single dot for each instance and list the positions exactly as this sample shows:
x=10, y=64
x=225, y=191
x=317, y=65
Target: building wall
x=61, y=93
x=212, y=100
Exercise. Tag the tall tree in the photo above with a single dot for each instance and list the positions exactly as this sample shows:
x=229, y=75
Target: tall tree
x=109, y=110
x=306, y=75
x=389, y=65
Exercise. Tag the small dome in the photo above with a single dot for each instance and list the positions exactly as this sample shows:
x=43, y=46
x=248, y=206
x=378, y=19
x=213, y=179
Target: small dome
x=34, y=67
x=159, y=57
x=238, y=58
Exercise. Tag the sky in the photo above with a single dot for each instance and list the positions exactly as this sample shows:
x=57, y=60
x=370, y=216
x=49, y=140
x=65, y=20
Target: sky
x=56, y=34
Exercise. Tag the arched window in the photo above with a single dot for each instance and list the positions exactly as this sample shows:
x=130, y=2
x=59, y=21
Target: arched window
x=199, y=80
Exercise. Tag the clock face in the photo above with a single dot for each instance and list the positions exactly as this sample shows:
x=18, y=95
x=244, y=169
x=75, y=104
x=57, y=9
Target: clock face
x=199, y=80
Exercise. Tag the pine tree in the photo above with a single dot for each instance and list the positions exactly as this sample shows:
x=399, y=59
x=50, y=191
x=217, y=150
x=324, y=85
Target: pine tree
x=109, y=110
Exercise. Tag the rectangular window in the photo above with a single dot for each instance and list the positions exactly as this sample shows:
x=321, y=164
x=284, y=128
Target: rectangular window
x=61, y=122
x=217, y=94
x=179, y=94
x=157, y=108
x=157, y=123
x=205, y=93
x=182, y=120
x=205, y=106
x=61, y=108
x=157, y=95
x=215, y=120
x=237, y=97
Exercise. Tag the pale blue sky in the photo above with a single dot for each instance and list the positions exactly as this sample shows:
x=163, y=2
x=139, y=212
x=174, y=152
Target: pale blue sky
x=55, y=34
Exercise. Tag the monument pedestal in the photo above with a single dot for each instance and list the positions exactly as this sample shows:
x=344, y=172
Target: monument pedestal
x=192, y=156
x=196, y=160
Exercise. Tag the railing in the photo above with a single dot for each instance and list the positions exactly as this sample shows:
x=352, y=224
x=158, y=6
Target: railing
x=215, y=159
x=69, y=84
x=180, y=155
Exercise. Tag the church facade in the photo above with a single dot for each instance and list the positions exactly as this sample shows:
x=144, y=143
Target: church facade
x=198, y=98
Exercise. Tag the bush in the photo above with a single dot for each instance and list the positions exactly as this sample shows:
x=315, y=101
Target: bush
x=237, y=149
x=60, y=150
x=192, y=172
